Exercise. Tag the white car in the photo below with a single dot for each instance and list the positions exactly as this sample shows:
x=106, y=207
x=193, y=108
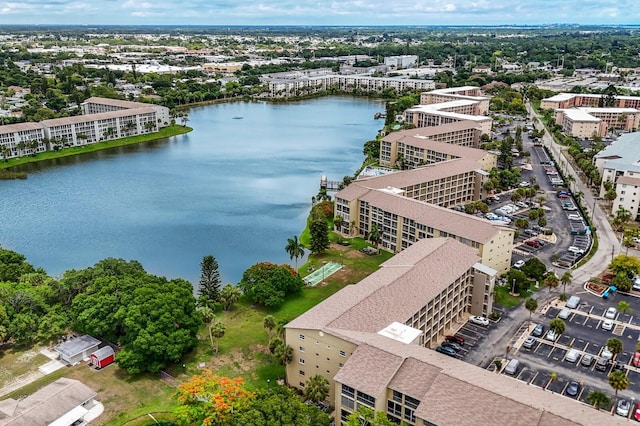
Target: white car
x=518, y=264
x=524, y=184
x=551, y=336
x=611, y=313
x=607, y=325
x=576, y=250
x=606, y=353
x=479, y=320
x=574, y=217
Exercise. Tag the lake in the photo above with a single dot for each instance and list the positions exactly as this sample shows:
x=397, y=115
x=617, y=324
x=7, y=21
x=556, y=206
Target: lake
x=234, y=188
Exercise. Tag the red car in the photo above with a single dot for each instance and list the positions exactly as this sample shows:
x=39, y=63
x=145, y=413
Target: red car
x=636, y=414
x=532, y=243
x=457, y=339
x=636, y=359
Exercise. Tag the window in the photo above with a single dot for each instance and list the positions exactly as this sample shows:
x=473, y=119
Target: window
x=342, y=353
x=301, y=372
x=394, y=408
x=348, y=391
x=301, y=348
x=340, y=365
x=409, y=415
x=301, y=384
x=411, y=402
x=366, y=399
x=301, y=361
x=301, y=337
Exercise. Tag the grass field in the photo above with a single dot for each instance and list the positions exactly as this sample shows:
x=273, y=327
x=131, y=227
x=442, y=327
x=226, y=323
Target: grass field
x=77, y=150
x=243, y=351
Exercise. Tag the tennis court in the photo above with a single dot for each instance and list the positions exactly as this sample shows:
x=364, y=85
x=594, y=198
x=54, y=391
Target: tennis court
x=327, y=270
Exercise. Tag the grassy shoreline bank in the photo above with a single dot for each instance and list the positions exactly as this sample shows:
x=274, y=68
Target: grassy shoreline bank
x=99, y=146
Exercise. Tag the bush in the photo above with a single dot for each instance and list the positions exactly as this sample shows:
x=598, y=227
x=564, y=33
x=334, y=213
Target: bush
x=548, y=231
x=563, y=297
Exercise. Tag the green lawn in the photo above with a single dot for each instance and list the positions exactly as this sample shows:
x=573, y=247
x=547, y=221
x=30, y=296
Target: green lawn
x=76, y=150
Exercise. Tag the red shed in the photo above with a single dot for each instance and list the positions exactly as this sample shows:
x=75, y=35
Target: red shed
x=103, y=357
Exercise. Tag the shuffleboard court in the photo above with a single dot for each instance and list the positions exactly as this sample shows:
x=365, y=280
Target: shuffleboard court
x=316, y=276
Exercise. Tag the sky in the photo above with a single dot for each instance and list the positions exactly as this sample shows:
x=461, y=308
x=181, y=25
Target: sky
x=318, y=12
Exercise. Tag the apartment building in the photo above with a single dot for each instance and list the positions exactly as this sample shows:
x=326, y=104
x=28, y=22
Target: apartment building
x=470, y=93
x=371, y=342
x=103, y=119
x=403, y=61
x=296, y=86
x=428, y=287
x=573, y=100
x=409, y=149
x=403, y=221
x=619, y=163
x=584, y=122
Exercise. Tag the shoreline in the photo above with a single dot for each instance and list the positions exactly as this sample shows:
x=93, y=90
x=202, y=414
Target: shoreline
x=167, y=132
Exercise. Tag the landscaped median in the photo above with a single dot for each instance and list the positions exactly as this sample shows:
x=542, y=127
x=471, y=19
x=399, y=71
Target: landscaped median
x=165, y=132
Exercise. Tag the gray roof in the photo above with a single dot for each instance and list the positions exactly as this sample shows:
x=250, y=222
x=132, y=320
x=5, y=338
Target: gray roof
x=103, y=352
x=77, y=345
x=46, y=405
x=624, y=151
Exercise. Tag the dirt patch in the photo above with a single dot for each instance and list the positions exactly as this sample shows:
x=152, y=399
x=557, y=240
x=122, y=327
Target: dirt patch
x=243, y=362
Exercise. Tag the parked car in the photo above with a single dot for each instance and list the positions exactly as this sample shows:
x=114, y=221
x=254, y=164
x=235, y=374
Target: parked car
x=479, y=320
x=524, y=184
x=574, y=217
x=572, y=355
x=611, y=313
x=529, y=342
x=564, y=313
x=522, y=205
x=636, y=414
x=446, y=350
x=602, y=364
x=512, y=367
x=518, y=264
x=606, y=353
x=532, y=243
x=587, y=360
x=573, y=302
x=538, y=330
x=453, y=345
x=607, y=325
x=458, y=339
x=623, y=408
x=531, y=232
x=573, y=389
x=635, y=361
x=551, y=336
x=576, y=250
x=636, y=283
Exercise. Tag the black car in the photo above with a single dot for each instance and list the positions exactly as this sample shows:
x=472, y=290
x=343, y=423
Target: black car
x=446, y=350
x=573, y=389
x=538, y=331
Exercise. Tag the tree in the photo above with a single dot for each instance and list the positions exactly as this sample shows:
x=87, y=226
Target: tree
x=618, y=381
x=294, y=248
x=317, y=388
x=629, y=265
x=269, y=323
x=211, y=399
x=614, y=345
x=522, y=223
x=534, y=268
x=565, y=279
x=279, y=406
x=624, y=307
x=531, y=305
x=210, y=278
x=283, y=353
x=338, y=221
x=217, y=330
x=557, y=325
x=229, y=296
x=319, y=235
x=268, y=284
x=366, y=416
x=551, y=280
x=542, y=222
x=598, y=399
x=375, y=235
x=622, y=281
x=520, y=279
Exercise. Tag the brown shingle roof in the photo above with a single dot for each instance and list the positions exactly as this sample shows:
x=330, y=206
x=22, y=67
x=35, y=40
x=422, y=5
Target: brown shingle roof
x=460, y=224
x=116, y=102
x=369, y=358
x=417, y=273
x=10, y=128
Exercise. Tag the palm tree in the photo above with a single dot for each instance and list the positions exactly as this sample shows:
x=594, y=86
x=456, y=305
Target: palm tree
x=338, y=221
x=624, y=307
x=295, y=249
x=375, y=235
x=317, y=388
x=353, y=227
x=531, y=304
x=598, y=399
x=216, y=330
x=618, y=381
x=557, y=325
x=269, y=323
x=565, y=279
x=615, y=346
x=229, y=295
x=283, y=353
x=551, y=280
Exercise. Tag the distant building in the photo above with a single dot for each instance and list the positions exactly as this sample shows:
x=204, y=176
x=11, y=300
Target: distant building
x=62, y=403
x=619, y=163
x=404, y=61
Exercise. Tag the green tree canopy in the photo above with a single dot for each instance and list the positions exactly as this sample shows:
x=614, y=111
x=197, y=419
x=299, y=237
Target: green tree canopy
x=13, y=265
x=268, y=284
x=209, y=278
x=534, y=268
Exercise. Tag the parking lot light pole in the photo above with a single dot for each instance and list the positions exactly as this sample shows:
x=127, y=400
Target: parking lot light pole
x=513, y=287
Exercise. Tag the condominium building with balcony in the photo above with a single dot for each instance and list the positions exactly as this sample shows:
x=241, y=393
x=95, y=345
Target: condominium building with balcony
x=444, y=106
x=573, y=100
x=416, y=147
x=103, y=119
x=619, y=163
x=586, y=122
x=371, y=342
x=403, y=221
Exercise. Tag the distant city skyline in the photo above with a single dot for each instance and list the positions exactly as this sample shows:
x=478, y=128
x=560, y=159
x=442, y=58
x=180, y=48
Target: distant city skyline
x=315, y=12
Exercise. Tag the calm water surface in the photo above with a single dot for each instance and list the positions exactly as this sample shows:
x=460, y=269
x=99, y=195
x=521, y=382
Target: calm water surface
x=234, y=188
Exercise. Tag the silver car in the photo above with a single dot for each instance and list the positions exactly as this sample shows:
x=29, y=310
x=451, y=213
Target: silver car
x=623, y=408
